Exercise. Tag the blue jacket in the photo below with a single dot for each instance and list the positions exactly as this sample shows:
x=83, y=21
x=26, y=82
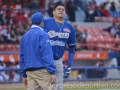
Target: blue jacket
x=36, y=51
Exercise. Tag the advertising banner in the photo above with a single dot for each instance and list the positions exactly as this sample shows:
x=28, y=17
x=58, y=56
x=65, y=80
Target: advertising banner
x=7, y=56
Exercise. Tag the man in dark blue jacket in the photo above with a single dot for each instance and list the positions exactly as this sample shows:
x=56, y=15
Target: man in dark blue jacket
x=36, y=58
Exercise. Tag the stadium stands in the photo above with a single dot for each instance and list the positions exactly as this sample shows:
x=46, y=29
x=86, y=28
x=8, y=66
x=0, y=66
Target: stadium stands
x=114, y=17
x=100, y=39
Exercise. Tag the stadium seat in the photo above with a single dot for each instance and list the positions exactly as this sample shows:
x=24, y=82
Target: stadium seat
x=107, y=19
x=2, y=47
x=8, y=47
x=117, y=40
x=17, y=47
x=90, y=43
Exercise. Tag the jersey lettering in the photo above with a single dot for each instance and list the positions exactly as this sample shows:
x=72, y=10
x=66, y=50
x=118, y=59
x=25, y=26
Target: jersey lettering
x=57, y=43
x=59, y=34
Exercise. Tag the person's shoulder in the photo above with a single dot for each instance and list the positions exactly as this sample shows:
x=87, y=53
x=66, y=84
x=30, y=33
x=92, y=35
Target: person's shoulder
x=25, y=34
x=44, y=33
x=68, y=23
x=48, y=19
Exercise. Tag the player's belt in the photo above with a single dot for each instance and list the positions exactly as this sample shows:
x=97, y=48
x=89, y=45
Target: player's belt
x=34, y=69
x=57, y=58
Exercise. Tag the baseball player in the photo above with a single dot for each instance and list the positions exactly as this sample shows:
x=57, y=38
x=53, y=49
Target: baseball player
x=36, y=58
x=61, y=33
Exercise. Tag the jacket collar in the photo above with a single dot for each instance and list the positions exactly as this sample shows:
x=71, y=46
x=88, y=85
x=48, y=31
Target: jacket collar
x=33, y=26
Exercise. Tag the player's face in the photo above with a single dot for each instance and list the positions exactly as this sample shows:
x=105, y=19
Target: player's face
x=59, y=12
x=42, y=24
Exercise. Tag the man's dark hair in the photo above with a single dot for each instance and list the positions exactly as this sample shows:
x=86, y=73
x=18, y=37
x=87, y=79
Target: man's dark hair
x=58, y=4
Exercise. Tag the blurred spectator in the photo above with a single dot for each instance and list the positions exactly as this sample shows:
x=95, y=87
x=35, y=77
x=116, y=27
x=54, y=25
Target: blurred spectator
x=102, y=72
x=112, y=7
x=109, y=28
x=3, y=75
x=18, y=4
x=78, y=37
x=97, y=12
x=118, y=61
x=80, y=76
x=81, y=4
x=71, y=10
x=13, y=5
x=89, y=14
x=118, y=32
x=11, y=15
x=105, y=12
x=107, y=5
x=50, y=7
x=84, y=38
x=94, y=5
x=5, y=34
x=78, y=34
x=20, y=17
x=13, y=37
x=118, y=57
x=2, y=61
x=34, y=4
x=100, y=63
x=31, y=12
x=15, y=75
x=113, y=30
x=86, y=35
x=3, y=19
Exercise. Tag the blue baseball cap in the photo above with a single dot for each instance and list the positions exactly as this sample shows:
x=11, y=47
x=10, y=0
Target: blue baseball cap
x=36, y=18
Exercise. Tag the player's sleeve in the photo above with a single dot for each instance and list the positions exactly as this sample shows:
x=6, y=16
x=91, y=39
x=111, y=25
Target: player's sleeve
x=71, y=44
x=72, y=37
x=22, y=62
x=46, y=53
x=71, y=53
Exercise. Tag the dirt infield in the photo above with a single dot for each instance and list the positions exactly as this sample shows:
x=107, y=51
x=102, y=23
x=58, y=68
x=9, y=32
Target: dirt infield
x=69, y=84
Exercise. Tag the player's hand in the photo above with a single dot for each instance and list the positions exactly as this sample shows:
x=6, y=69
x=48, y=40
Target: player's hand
x=67, y=71
x=53, y=79
x=25, y=82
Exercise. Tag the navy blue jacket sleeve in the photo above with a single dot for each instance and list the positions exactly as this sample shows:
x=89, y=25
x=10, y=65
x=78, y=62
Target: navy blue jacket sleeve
x=22, y=63
x=46, y=53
